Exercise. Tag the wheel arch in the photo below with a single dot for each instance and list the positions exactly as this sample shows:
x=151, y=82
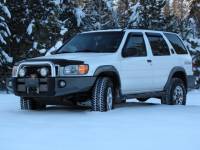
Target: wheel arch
x=178, y=72
x=109, y=71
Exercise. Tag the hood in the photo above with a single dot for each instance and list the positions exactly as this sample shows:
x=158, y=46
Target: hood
x=78, y=56
x=73, y=58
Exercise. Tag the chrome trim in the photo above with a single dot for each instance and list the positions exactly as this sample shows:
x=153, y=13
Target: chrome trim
x=53, y=70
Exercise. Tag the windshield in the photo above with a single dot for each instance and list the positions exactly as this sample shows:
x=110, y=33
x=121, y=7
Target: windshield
x=97, y=42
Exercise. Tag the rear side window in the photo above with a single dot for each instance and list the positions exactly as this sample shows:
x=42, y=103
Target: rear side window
x=158, y=44
x=176, y=43
x=135, y=46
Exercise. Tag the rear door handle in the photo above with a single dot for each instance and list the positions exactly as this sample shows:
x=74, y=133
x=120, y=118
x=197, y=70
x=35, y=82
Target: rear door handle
x=149, y=60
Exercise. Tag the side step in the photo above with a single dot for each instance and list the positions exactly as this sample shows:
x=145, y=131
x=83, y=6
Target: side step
x=144, y=95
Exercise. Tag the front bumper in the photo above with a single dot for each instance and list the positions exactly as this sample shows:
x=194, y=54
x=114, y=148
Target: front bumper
x=50, y=87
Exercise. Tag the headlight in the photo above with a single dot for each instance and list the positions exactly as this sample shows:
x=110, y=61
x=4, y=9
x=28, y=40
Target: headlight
x=14, y=71
x=76, y=70
x=22, y=72
x=44, y=72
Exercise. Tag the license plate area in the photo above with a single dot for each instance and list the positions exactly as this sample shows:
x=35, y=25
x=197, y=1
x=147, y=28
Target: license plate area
x=30, y=82
x=32, y=85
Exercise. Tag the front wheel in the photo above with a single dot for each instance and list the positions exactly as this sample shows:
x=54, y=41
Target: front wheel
x=175, y=94
x=103, y=95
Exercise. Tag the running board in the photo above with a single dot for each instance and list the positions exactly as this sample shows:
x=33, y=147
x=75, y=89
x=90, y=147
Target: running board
x=144, y=95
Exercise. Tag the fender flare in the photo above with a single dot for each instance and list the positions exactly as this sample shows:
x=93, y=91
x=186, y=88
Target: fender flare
x=172, y=72
x=108, y=68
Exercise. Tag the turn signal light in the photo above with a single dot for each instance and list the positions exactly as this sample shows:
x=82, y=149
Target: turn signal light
x=83, y=69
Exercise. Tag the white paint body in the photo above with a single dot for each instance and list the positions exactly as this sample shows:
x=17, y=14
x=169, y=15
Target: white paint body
x=136, y=74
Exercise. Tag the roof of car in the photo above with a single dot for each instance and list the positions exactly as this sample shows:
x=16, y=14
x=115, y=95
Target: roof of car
x=135, y=30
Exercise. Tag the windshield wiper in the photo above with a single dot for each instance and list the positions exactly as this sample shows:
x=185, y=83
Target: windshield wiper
x=78, y=51
x=84, y=50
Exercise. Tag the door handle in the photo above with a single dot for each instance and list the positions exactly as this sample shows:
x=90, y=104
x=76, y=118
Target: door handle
x=149, y=60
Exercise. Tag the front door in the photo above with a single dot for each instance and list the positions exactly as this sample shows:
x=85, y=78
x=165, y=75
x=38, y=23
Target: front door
x=136, y=68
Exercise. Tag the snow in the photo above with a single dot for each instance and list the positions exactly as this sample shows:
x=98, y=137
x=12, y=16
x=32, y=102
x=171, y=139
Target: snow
x=30, y=27
x=35, y=45
x=55, y=47
x=5, y=10
x=6, y=56
x=42, y=51
x=134, y=125
x=63, y=30
x=57, y=2
x=134, y=18
x=79, y=15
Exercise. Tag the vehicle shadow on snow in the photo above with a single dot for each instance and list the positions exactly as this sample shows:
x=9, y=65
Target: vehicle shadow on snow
x=87, y=108
x=135, y=104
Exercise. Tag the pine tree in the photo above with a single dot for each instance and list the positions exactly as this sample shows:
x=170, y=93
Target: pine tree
x=170, y=23
x=181, y=12
x=100, y=15
x=5, y=59
x=151, y=14
x=4, y=33
x=135, y=15
x=195, y=14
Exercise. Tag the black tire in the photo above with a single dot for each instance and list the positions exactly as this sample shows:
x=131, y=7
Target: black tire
x=142, y=99
x=30, y=104
x=101, y=90
x=175, y=94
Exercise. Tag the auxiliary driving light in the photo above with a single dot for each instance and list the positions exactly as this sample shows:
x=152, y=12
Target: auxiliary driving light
x=44, y=72
x=22, y=72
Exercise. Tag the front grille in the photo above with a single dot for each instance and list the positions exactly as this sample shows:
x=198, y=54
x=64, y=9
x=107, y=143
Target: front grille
x=34, y=71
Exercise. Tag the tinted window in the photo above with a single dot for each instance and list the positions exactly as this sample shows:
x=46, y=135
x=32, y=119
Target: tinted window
x=158, y=44
x=97, y=42
x=135, y=46
x=176, y=43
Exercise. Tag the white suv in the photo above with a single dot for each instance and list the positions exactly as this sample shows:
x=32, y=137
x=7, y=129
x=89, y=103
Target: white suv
x=107, y=67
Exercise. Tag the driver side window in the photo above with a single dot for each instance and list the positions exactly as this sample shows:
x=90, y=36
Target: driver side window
x=134, y=46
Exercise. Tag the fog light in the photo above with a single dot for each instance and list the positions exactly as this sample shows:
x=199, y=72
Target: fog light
x=62, y=84
x=10, y=84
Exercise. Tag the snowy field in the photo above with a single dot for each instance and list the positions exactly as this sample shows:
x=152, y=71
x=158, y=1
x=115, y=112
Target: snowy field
x=131, y=126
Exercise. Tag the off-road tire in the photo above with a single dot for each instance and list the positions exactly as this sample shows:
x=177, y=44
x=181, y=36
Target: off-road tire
x=30, y=104
x=99, y=94
x=168, y=97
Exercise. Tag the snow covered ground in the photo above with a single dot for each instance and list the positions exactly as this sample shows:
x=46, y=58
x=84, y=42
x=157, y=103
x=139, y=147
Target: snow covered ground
x=143, y=126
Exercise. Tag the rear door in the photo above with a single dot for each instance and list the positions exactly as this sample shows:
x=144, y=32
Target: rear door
x=135, y=68
x=185, y=60
x=162, y=61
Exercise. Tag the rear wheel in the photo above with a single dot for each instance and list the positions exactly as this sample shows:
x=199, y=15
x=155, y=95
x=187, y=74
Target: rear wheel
x=31, y=104
x=103, y=95
x=175, y=94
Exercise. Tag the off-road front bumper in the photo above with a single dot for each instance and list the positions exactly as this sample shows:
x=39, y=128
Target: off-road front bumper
x=52, y=86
